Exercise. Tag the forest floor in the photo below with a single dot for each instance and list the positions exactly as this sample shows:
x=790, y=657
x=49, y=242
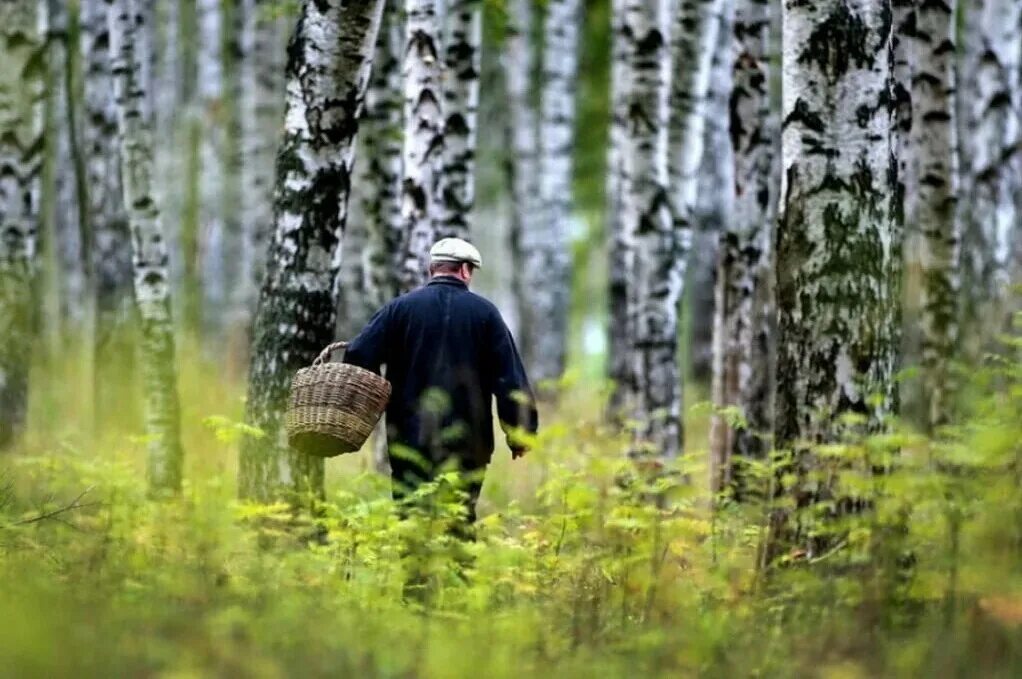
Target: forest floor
x=574, y=571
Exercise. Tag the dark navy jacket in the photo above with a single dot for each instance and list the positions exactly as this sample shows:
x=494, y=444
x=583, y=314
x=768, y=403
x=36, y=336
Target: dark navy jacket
x=448, y=354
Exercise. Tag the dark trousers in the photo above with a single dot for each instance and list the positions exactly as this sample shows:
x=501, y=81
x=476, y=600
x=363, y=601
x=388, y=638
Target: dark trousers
x=409, y=472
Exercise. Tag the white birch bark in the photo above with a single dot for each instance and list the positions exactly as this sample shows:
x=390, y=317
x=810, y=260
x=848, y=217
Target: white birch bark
x=934, y=145
x=381, y=202
x=463, y=33
x=423, y=149
x=646, y=218
x=69, y=247
x=621, y=240
x=742, y=369
x=990, y=99
x=22, y=91
x=519, y=61
x=130, y=42
x=839, y=241
x=261, y=71
x=693, y=39
x=328, y=71
x=212, y=154
x=714, y=203
x=111, y=244
x=547, y=272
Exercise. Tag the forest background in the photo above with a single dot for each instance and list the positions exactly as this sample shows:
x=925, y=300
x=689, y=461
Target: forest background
x=889, y=545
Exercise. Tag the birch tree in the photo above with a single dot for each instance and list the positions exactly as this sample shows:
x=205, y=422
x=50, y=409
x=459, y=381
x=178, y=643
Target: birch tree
x=69, y=236
x=463, y=32
x=111, y=244
x=22, y=88
x=328, y=70
x=714, y=202
x=991, y=100
x=212, y=156
x=381, y=202
x=839, y=241
x=519, y=61
x=742, y=324
x=130, y=42
x=621, y=245
x=647, y=221
x=935, y=146
x=693, y=38
x=422, y=153
x=261, y=71
x=547, y=274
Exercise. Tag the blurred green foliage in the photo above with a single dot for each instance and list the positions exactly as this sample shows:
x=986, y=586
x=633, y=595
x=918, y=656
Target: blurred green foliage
x=574, y=571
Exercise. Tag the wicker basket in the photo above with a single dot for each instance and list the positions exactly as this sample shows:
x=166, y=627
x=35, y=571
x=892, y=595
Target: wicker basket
x=334, y=406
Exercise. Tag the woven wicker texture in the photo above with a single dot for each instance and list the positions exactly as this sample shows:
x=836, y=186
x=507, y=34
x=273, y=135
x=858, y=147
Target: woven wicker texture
x=334, y=406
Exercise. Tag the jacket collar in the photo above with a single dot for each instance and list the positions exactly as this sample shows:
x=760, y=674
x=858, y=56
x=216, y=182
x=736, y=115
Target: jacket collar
x=448, y=280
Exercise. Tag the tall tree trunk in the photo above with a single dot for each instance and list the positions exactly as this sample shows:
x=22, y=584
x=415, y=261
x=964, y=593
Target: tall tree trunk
x=423, y=148
x=693, y=42
x=261, y=72
x=647, y=220
x=381, y=203
x=22, y=86
x=328, y=70
x=111, y=251
x=130, y=42
x=620, y=240
x=463, y=23
x=714, y=202
x=519, y=62
x=990, y=93
x=212, y=154
x=68, y=232
x=839, y=241
x=935, y=146
x=545, y=242
x=742, y=374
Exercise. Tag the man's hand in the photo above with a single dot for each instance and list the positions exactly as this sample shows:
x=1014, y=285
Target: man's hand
x=518, y=451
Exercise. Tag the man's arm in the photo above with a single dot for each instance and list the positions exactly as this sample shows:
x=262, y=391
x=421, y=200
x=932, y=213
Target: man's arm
x=369, y=349
x=516, y=402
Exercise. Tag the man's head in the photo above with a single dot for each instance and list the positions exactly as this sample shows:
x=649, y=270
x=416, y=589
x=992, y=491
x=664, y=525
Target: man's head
x=454, y=257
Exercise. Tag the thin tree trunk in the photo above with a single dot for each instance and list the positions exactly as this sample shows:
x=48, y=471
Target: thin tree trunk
x=130, y=42
x=693, y=42
x=545, y=242
x=22, y=84
x=935, y=146
x=328, y=70
x=839, y=241
x=463, y=23
x=990, y=93
x=423, y=148
x=519, y=62
x=212, y=154
x=261, y=71
x=620, y=240
x=111, y=251
x=70, y=247
x=647, y=221
x=381, y=202
x=742, y=364
x=714, y=203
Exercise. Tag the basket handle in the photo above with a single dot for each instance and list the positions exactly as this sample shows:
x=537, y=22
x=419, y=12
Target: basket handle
x=325, y=354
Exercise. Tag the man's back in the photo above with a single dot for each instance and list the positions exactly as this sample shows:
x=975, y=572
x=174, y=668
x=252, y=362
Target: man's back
x=448, y=353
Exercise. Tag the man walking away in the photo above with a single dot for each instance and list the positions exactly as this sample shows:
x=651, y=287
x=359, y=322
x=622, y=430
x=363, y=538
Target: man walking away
x=448, y=353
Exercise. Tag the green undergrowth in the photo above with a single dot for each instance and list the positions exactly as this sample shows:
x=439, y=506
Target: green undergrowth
x=583, y=565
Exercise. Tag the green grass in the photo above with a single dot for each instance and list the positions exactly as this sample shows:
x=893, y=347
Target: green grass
x=575, y=571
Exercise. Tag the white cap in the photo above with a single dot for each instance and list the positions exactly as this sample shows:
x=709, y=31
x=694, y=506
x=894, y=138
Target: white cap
x=455, y=250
